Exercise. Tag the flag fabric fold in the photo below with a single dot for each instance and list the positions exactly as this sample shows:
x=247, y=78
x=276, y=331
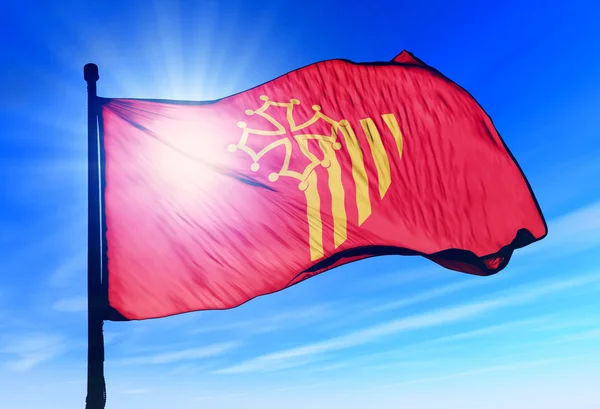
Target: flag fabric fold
x=210, y=204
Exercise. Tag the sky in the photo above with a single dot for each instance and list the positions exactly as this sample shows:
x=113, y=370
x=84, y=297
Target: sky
x=382, y=333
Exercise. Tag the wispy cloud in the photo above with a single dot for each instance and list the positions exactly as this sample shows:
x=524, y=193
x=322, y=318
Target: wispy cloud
x=218, y=397
x=269, y=365
x=407, y=351
x=491, y=329
x=291, y=318
x=110, y=337
x=402, y=364
x=139, y=391
x=403, y=276
x=271, y=390
x=180, y=355
x=332, y=367
x=571, y=233
x=27, y=351
x=304, y=386
x=429, y=295
x=71, y=269
x=563, y=324
x=573, y=337
x=73, y=304
x=426, y=320
x=495, y=368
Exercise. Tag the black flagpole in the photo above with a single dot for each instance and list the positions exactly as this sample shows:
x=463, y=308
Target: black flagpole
x=96, y=396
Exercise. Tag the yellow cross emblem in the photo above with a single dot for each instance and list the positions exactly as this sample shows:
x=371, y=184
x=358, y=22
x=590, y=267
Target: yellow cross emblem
x=341, y=134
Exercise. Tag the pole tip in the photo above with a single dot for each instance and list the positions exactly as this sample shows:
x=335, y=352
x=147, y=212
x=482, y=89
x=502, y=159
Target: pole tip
x=90, y=73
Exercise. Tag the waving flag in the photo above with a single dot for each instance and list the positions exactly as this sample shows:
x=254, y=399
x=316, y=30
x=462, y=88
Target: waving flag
x=210, y=204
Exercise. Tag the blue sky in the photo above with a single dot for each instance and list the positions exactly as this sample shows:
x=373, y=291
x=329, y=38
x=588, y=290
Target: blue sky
x=386, y=332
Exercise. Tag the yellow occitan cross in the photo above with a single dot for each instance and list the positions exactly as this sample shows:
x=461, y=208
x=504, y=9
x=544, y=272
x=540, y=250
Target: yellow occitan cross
x=329, y=144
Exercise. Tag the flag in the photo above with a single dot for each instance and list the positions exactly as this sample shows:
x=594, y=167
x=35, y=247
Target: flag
x=210, y=204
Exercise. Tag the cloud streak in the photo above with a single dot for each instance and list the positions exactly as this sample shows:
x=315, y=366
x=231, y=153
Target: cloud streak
x=572, y=233
x=492, y=329
x=292, y=318
x=430, y=319
x=429, y=295
x=365, y=361
x=28, y=351
x=179, y=356
x=490, y=369
x=71, y=270
x=73, y=304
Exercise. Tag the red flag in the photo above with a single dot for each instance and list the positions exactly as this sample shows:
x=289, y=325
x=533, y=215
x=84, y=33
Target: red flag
x=211, y=204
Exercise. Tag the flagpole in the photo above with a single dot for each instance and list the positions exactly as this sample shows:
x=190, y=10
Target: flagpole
x=95, y=371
